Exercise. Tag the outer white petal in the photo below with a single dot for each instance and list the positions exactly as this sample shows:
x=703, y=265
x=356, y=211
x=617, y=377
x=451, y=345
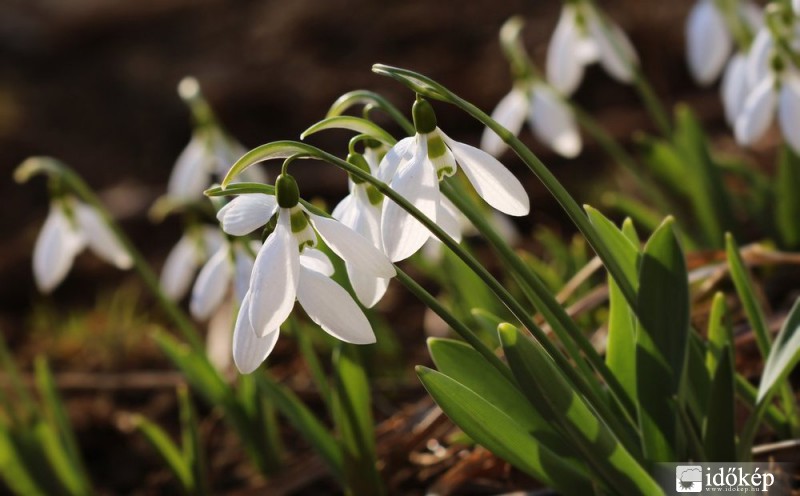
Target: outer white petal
x=734, y=87
x=352, y=247
x=509, y=113
x=789, y=111
x=219, y=336
x=315, y=260
x=553, y=123
x=345, y=210
x=752, y=14
x=493, y=182
x=400, y=154
x=615, y=50
x=448, y=219
x=564, y=62
x=55, y=249
x=330, y=306
x=757, y=113
x=243, y=268
x=179, y=268
x=190, y=175
x=796, y=6
x=758, y=57
x=246, y=213
x=402, y=234
x=212, y=284
x=99, y=237
x=250, y=350
x=273, y=285
x=708, y=42
x=367, y=222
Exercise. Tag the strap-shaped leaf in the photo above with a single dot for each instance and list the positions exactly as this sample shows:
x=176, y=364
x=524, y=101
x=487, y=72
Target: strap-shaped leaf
x=168, y=451
x=501, y=434
x=661, y=342
x=623, y=248
x=546, y=387
x=784, y=355
x=719, y=430
x=787, y=201
x=351, y=123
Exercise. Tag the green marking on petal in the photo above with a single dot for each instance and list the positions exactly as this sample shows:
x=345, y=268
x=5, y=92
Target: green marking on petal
x=436, y=146
x=375, y=197
x=299, y=220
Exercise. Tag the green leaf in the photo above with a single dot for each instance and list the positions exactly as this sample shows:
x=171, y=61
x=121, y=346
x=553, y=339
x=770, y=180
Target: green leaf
x=357, y=124
x=15, y=472
x=623, y=249
x=369, y=98
x=546, y=388
x=696, y=383
x=747, y=295
x=719, y=429
x=784, y=355
x=664, y=162
x=274, y=150
x=500, y=433
x=352, y=414
x=191, y=443
x=168, y=451
x=663, y=310
x=197, y=369
x=787, y=200
x=303, y=419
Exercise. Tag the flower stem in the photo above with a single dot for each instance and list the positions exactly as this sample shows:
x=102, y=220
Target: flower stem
x=58, y=170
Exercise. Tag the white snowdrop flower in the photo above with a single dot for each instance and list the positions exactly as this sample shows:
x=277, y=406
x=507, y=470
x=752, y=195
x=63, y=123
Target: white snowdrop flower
x=796, y=6
x=583, y=37
x=413, y=168
x=550, y=118
x=227, y=270
x=288, y=268
x=192, y=250
x=361, y=211
x=69, y=228
x=709, y=40
x=206, y=159
x=777, y=91
x=734, y=87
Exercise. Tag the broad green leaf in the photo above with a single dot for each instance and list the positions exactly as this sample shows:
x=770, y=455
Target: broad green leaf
x=696, y=382
x=352, y=414
x=622, y=247
x=306, y=423
x=56, y=455
x=720, y=332
x=784, y=355
x=787, y=199
x=547, y=389
x=501, y=434
x=645, y=216
x=357, y=124
x=719, y=429
x=663, y=310
x=747, y=295
x=15, y=473
x=168, y=451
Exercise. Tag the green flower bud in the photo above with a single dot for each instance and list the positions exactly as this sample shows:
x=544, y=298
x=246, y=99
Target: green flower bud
x=286, y=191
x=424, y=116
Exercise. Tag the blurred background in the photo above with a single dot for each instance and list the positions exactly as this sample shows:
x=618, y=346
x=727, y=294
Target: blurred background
x=93, y=83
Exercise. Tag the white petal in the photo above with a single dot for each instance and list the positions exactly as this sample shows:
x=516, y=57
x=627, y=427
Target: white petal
x=509, y=113
x=101, y=240
x=179, y=268
x=734, y=87
x=564, y=64
x=219, y=336
x=243, y=268
x=708, y=42
x=273, y=285
x=246, y=213
x=493, y=182
x=55, y=249
x=757, y=113
x=345, y=210
x=250, y=350
x=190, y=174
x=553, y=123
x=332, y=308
x=315, y=260
x=758, y=57
x=789, y=111
x=752, y=14
x=367, y=222
x=401, y=153
x=615, y=50
x=796, y=6
x=352, y=247
x=402, y=234
x=447, y=217
x=212, y=284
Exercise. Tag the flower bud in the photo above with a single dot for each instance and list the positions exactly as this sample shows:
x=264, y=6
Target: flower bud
x=424, y=116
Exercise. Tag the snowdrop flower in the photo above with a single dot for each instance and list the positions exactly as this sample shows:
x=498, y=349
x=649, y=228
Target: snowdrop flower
x=548, y=116
x=361, y=212
x=734, y=87
x=777, y=91
x=69, y=228
x=796, y=6
x=414, y=167
x=583, y=37
x=228, y=268
x=709, y=39
x=288, y=268
x=192, y=250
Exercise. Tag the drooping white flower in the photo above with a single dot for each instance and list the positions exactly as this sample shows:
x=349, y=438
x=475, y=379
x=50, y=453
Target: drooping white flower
x=584, y=36
x=550, y=118
x=777, y=92
x=708, y=36
x=192, y=250
x=361, y=211
x=227, y=270
x=413, y=168
x=288, y=268
x=734, y=87
x=69, y=228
